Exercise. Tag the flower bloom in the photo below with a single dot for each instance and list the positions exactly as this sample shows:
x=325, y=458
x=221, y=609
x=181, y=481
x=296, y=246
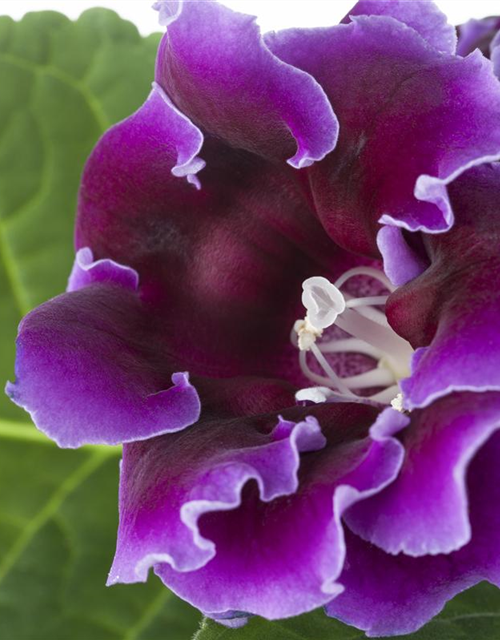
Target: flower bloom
x=291, y=231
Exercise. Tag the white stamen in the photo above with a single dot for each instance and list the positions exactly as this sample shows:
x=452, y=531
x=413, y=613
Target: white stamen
x=313, y=394
x=384, y=338
x=378, y=377
x=352, y=345
x=337, y=380
x=306, y=333
x=365, y=271
x=397, y=403
x=366, y=302
x=372, y=336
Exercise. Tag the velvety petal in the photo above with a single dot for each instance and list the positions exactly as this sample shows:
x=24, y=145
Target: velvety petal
x=423, y=16
x=214, y=65
x=222, y=266
x=388, y=595
x=87, y=271
x=392, y=595
x=179, y=139
x=426, y=509
x=272, y=547
x=451, y=310
x=477, y=34
x=91, y=369
x=411, y=120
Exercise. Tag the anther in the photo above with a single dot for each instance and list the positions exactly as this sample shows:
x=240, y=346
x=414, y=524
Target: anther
x=371, y=335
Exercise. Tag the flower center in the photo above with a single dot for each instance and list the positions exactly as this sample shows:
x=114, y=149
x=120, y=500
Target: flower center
x=365, y=331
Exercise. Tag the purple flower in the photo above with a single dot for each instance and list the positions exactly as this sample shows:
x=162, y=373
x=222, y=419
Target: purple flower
x=335, y=185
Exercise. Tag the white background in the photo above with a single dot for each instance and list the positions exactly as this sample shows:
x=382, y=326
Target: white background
x=272, y=14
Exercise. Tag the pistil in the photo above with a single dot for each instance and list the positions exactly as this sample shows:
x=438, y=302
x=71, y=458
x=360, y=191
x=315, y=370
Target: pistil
x=361, y=318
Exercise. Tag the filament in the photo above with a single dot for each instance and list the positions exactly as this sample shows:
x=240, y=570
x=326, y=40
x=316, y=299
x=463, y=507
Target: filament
x=371, y=335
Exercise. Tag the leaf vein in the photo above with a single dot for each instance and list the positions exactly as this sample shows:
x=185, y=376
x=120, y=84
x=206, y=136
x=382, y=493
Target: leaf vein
x=149, y=615
x=89, y=97
x=70, y=484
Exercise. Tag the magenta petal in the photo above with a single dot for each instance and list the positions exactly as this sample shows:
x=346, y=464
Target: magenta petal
x=451, y=310
x=166, y=129
x=215, y=66
x=388, y=595
x=401, y=262
x=87, y=271
x=425, y=510
x=391, y=595
x=91, y=369
x=274, y=548
x=161, y=114
x=423, y=16
x=172, y=129
x=273, y=465
x=411, y=120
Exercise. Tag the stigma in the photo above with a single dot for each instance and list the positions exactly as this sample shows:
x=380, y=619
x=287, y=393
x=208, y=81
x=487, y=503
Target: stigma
x=365, y=331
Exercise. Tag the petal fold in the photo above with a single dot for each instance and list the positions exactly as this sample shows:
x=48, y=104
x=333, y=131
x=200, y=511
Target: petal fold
x=451, y=311
x=215, y=66
x=165, y=128
x=229, y=519
x=389, y=595
x=87, y=271
x=425, y=511
x=412, y=120
x=401, y=262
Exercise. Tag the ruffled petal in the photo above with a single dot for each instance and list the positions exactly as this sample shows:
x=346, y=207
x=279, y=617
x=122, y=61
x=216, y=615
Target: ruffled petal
x=170, y=131
x=215, y=66
x=451, y=311
x=87, y=271
x=411, y=120
x=91, y=369
x=426, y=510
x=423, y=16
x=392, y=595
x=387, y=595
x=272, y=547
x=402, y=263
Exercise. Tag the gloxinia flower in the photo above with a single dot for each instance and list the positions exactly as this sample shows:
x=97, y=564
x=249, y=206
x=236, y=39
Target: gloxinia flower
x=297, y=344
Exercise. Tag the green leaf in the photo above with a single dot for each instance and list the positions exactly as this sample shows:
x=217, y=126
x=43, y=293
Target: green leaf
x=57, y=536
x=62, y=84
x=472, y=614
